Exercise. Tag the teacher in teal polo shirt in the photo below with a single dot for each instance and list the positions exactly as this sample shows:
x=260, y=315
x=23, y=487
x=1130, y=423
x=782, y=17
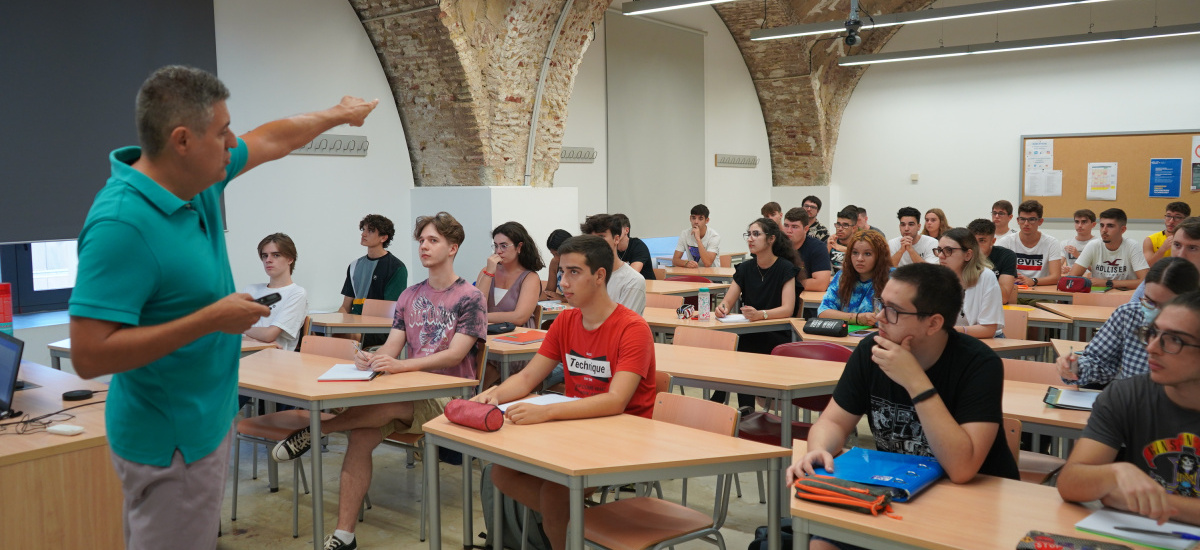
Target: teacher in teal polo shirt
x=154, y=301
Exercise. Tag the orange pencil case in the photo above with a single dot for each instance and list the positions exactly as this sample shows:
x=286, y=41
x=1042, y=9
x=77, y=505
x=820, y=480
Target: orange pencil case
x=845, y=494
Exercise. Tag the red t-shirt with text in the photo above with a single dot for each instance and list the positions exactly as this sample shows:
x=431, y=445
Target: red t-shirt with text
x=590, y=358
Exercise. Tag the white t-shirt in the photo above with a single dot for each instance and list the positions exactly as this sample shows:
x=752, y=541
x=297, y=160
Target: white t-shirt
x=983, y=303
x=1120, y=264
x=924, y=247
x=711, y=241
x=287, y=314
x=1079, y=245
x=1033, y=262
x=627, y=287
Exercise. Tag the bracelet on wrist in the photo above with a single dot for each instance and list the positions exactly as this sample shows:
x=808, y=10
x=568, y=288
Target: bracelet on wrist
x=924, y=395
x=492, y=275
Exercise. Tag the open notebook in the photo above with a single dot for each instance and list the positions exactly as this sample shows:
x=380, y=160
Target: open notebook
x=347, y=372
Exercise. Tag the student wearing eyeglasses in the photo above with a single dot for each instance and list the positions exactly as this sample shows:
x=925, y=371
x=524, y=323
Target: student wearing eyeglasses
x=1155, y=417
x=766, y=286
x=1115, y=352
x=843, y=229
x=927, y=390
x=509, y=280
x=1039, y=256
x=982, y=314
x=1158, y=246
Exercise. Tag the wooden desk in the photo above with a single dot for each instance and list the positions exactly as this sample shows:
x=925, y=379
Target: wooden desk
x=59, y=491
x=987, y=513
x=291, y=378
x=1063, y=347
x=1052, y=293
x=1088, y=318
x=771, y=376
x=812, y=298
x=508, y=353
x=1011, y=348
x=1041, y=318
x=683, y=288
x=714, y=274
x=62, y=349
x=634, y=449
x=328, y=324
x=664, y=321
x=1023, y=401
x=734, y=258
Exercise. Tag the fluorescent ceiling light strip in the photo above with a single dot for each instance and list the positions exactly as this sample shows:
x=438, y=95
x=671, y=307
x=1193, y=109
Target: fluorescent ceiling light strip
x=1016, y=45
x=642, y=7
x=922, y=16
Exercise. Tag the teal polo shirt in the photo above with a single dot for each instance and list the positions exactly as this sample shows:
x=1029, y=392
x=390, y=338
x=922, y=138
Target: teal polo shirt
x=147, y=257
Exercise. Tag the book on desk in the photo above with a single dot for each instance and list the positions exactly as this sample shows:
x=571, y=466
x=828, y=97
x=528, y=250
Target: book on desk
x=527, y=337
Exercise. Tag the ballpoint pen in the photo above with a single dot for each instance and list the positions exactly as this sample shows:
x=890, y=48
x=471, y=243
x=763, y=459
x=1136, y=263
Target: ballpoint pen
x=1172, y=534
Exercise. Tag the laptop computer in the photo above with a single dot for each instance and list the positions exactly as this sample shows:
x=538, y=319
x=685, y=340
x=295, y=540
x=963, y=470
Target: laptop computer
x=10, y=363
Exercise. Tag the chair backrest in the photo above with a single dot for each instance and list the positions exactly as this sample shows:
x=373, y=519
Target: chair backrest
x=1037, y=372
x=1016, y=323
x=664, y=300
x=379, y=308
x=340, y=348
x=705, y=338
x=1110, y=299
x=825, y=351
x=662, y=381
x=725, y=260
x=689, y=278
x=697, y=413
x=660, y=274
x=1012, y=434
x=481, y=363
x=537, y=316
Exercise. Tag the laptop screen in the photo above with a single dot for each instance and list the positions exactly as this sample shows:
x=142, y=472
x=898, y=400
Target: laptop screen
x=10, y=361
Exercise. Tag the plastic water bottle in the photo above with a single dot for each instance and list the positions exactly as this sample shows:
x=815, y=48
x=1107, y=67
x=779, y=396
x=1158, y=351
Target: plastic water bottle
x=704, y=304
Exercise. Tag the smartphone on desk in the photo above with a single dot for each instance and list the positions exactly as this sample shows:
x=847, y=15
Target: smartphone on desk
x=863, y=332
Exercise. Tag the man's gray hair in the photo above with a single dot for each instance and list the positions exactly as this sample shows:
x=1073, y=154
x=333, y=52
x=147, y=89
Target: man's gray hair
x=175, y=96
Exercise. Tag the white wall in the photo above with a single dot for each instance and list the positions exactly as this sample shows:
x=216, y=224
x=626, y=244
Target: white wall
x=733, y=124
x=958, y=121
x=283, y=57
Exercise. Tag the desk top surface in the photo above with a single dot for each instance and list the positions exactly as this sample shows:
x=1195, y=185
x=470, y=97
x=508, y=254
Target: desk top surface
x=812, y=297
x=664, y=317
x=701, y=271
x=248, y=344
x=1079, y=313
x=1038, y=314
x=984, y=514
x=295, y=375
x=48, y=399
x=349, y=320
x=681, y=287
x=1023, y=401
x=997, y=344
x=751, y=369
x=631, y=443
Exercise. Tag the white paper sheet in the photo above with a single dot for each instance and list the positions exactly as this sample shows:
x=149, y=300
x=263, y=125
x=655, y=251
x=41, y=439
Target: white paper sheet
x=346, y=372
x=544, y=399
x=1043, y=184
x=1078, y=398
x=733, y=318
x=1102, y=181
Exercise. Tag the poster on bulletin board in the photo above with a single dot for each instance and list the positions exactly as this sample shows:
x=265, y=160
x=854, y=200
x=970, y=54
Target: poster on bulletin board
x=1166, y=176
x=1195, y=163
x=1102, y=181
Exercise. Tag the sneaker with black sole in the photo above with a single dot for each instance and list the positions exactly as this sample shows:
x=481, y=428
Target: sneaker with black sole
x=292, y=446
x=334, y=543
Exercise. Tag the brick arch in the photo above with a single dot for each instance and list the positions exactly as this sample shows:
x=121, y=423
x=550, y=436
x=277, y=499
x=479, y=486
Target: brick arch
x=464, y=75
x=800, y=86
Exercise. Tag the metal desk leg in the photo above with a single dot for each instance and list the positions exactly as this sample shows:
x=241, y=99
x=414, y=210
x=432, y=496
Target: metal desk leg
x=432, y=504
x=774, y=502
x=466, y=498
x=575, y=527
x=786, y=414
x=318, y=497
x=496, y=535
x=799, y=534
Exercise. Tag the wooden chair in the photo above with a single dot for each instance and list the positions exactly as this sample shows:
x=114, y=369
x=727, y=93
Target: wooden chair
x=1034, y=467
x=645, y=522
x=379, y=308
x=537, y=316
x=415, y=443
x=705, y=338
x=664, y=300
x=269, y=429
x=725, y=260
x=1109, y=299
x=660, y=274
x=1016, y=323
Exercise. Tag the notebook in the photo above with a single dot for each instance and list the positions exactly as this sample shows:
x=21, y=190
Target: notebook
x=544, y=399
x=347, y=372
x=733, y=318
x=527, y=337
x=1103, y=522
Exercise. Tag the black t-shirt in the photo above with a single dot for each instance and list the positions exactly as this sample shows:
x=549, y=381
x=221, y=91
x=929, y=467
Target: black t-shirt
x=968, y=376
x=763, y=288
x=637, y=251
x=1004, y=261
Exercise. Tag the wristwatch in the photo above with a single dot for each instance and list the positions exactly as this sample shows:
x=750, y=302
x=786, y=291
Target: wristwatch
x=1108, y=283
x=1035, y=281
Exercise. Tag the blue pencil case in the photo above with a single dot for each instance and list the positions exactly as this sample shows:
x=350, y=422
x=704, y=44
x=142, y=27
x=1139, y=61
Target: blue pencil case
x=904, y=475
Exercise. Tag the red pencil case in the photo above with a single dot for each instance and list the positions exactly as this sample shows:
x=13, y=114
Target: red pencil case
x=471, y=414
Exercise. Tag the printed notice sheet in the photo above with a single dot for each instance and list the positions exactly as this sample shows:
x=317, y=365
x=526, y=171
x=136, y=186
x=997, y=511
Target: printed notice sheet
x=1102, y=181
x=1043, y=184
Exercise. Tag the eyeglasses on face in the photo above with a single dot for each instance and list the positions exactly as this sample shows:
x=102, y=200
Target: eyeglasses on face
x=1028, y=220
x=843, y=225
x=892, y=315
x=1174, y=217
x=1170, y=342
x=810, y=206
x=1000, y=213
x=756, y=234
x=946, y=250
x=501, y=247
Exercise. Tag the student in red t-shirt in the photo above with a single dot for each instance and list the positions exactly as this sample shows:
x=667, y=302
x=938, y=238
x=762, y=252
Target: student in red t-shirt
x=607, y=353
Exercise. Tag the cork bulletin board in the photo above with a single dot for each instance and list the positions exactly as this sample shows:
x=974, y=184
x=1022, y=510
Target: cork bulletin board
x=1133, y=153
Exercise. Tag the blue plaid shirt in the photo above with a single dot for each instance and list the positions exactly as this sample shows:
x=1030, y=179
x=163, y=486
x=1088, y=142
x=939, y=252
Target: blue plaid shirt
x=1115, y=352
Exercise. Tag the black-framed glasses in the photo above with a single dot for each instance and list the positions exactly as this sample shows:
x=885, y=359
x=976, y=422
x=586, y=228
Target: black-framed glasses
x=755, y=234
x=892, y=315
x=501, y=247
x=1027, y=220
x=810, y=207
x=1000, y=213
x=1169, y=341
x=843, y=225
x=1175, y=217
x=946, y=250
